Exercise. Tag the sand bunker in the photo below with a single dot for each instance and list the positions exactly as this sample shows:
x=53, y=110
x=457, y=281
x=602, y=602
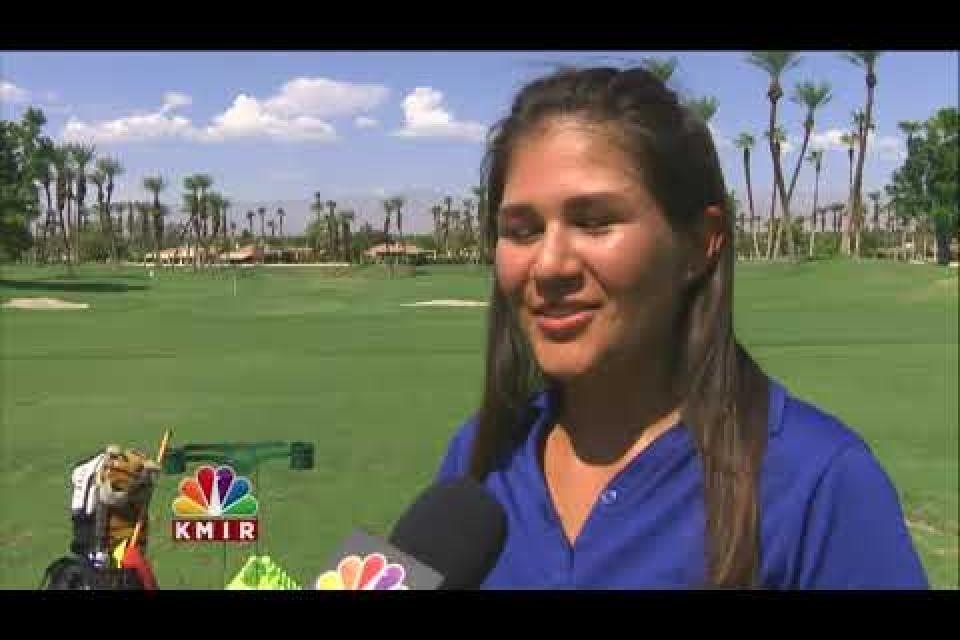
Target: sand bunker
x=43, y=303
x=447, y=303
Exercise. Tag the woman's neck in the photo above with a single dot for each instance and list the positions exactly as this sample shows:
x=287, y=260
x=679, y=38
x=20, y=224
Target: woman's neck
x=617, y=411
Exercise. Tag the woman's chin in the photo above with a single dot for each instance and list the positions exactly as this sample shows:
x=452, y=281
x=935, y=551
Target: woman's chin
x=564, y=368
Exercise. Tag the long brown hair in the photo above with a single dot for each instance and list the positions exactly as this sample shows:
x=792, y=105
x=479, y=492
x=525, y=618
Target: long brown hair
x=724, y=391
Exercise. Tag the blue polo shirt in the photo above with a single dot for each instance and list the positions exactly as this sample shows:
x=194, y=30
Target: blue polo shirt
x=830, y=517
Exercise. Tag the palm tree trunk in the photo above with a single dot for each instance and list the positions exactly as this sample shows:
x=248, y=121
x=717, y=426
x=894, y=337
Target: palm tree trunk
x=845, y=240
x=858, y=180
x=813, y=218
x=403, y=249
x=796, y=169
x=68, y=254
x=746, y=170
x=773, y=220
x=778, y=176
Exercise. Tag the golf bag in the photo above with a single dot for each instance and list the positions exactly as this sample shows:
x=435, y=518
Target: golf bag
x=110, y=492
x=76, y=573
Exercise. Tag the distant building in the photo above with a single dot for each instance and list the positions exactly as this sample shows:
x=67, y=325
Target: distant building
x=394, y=249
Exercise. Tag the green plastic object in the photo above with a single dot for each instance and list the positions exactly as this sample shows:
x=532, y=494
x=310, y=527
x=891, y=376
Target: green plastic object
x=263, y=574
x=301, y=455
x=244, y=457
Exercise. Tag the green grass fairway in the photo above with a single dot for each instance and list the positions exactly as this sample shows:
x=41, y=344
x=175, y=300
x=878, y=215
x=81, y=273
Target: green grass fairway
x=334, y=358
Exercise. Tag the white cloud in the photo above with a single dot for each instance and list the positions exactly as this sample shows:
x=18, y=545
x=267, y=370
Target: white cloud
x=885, y=147
x=137, y=128
x=174, y=100
x=248, y=118
x=363, y=122
x=11, y=93
x=425, y=115
x=295, y=113
x=829, y=140
x=323, y=98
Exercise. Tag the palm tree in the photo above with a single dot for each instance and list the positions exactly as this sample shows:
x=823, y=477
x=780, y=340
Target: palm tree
x=98, y=179
x=468, y=223
x=60, y=158
x=705, y=108
x=156, y=184
x=204, y=181
x=398, y=202
x=773, y=240
x=280, y=214
x=815, y=158
x=812, y=96
x=776, y=63
x=250, y=216
x=82, y=156
x=837, y=209
x=262, y=211
x=145, y=211
x=483, y=224
x=448, y=202
x=662, y=68
x=858, y=119
x=273, y=227
x=347, y=216
x=849, y=139
x=215, y=203
x=436, y=211
x=332, y=228
x=44, y=175
x=225, y=205
x=196, y=186
x=111, y=169
x=746, y=141
x=317, y=207
x=867, y=60
x=387, y=210
x=875, y=196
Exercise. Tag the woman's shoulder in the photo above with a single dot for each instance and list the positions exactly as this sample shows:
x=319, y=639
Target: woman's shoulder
x=456, y=461
x=813, y=455
x=823, y=480
x=805, y=433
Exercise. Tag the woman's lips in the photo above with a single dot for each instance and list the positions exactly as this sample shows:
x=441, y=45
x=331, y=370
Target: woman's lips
x=565, y=322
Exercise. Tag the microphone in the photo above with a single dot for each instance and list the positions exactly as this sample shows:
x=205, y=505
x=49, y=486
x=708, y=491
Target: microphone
x=449, y=538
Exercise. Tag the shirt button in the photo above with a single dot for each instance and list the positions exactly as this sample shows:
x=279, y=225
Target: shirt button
x=609, y=496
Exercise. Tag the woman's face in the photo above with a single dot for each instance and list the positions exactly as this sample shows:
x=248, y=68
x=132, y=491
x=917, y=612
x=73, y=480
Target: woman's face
x=585, y=255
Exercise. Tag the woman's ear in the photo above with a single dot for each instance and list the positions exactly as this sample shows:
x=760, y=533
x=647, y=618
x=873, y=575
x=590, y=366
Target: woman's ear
x=709, y=243
x=714, y=233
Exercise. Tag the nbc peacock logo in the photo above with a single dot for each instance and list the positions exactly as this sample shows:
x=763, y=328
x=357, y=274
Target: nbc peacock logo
x=370, y=573
x=215, y=505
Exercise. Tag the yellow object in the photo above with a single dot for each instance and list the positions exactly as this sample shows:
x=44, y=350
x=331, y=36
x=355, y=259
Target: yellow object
x=118, y=553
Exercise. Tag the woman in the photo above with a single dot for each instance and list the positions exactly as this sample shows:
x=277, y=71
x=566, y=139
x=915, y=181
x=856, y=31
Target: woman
x=631, y=440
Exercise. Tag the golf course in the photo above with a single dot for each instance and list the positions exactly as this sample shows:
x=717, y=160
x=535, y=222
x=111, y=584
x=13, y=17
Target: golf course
x=342, y=358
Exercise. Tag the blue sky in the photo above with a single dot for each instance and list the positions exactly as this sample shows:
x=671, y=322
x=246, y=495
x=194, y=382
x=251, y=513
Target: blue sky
x=281, y=125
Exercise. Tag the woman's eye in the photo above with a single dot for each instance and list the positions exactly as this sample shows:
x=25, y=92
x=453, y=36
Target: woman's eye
x=595, y=224
x=518, y=230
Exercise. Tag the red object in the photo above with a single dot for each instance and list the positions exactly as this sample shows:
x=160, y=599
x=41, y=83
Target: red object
x=133, y=559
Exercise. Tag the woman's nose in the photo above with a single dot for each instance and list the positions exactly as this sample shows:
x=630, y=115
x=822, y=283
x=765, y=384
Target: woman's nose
x=557, y=262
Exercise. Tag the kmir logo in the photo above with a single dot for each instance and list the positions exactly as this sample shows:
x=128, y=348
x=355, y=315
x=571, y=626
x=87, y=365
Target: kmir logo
x=215, y=505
